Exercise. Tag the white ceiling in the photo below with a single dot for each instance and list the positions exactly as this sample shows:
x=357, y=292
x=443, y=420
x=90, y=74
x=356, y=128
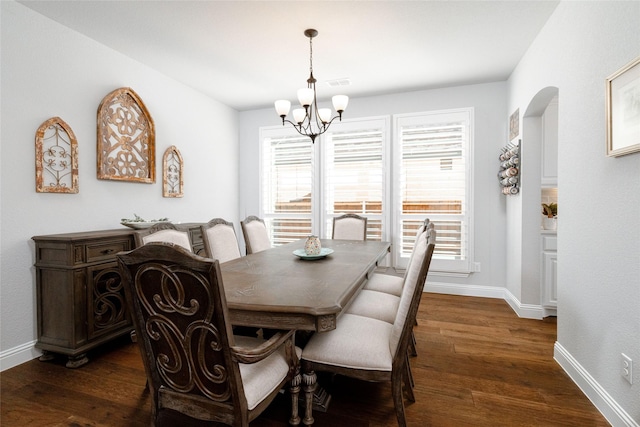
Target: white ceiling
x=247, y=54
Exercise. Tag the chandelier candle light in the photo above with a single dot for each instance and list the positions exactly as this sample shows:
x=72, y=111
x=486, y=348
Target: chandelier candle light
x=310, y=120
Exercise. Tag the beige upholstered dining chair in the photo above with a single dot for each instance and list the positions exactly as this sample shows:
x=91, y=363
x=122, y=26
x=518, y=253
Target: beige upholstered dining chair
x=371, y=349
x=220, y=240
x=197, y=370
x=391, y=283
x=163, y=232
x=380, y=296
x=349, y=227
x=256, y=236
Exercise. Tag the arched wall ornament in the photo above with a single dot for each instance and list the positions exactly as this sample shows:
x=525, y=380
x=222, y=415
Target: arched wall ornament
x=126, y=138
x=172, y=172
x=56, y=158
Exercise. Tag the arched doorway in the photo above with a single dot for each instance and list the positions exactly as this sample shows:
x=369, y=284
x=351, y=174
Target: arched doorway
x=539, y=184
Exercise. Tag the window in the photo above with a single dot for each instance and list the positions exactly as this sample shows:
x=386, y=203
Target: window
x=432, y=179
x=304, y=185
x=353, y=174
x=286, y=184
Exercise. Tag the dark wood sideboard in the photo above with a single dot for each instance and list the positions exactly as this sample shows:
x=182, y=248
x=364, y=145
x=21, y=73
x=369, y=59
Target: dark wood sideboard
x=79, y=293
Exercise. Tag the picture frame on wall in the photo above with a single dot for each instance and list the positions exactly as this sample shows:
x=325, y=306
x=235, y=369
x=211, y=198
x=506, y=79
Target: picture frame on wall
x=623, y=110
x=514, y=124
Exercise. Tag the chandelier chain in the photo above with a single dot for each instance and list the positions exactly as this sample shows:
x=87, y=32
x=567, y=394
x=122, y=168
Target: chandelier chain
x=311, y=55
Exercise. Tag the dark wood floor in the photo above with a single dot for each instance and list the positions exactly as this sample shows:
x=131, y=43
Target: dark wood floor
x=478, y=365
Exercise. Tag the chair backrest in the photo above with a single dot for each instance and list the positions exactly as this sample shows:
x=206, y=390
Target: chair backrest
x=220, y=240
x=256, y=236
x=163, y=232
x=411, y=294
x=426, y=225
x=349, y=227
x=180, y=314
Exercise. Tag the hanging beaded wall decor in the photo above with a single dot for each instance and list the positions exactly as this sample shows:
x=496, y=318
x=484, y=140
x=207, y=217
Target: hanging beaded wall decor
x=172, y=173
x=126, y=138
x=56, y=158
x=509, y=175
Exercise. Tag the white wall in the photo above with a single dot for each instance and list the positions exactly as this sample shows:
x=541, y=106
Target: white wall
x=599, y=199
x=489, y=103
x=49, y=70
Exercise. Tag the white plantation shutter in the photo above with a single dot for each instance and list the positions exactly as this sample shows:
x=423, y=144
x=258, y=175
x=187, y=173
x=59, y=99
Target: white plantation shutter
x=353, y=174
x=432, y=180
x=286, y=184
x=431, y=176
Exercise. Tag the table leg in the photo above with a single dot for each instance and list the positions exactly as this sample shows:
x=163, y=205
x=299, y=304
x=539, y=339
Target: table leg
x=321, y=399
x=309, y=379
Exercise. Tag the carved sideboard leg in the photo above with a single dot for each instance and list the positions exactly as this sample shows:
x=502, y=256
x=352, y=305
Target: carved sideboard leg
x=77, y=361
x=46, y=356
x=309, y=379
x=295, y=394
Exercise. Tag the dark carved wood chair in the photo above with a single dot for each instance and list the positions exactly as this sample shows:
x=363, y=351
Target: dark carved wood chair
x=256, y=237
x=349, y=227
x=371, y=349
x=197, y=370
x=220, y=240
x=163, y=232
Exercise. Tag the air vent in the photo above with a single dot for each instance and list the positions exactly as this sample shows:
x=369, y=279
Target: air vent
x=339, y=82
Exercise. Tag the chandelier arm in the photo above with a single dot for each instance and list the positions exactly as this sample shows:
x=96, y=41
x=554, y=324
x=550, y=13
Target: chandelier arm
x=337, y=116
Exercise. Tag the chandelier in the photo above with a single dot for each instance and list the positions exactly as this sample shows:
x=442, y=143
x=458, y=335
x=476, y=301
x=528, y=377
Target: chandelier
x=310, y=120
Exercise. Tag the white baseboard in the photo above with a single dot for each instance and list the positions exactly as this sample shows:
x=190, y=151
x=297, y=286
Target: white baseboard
x=608, y=407
x=18, y=355
x=466, y=290
x=527, y=311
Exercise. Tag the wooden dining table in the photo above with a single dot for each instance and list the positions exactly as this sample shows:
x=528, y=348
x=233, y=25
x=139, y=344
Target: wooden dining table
x=277, y=289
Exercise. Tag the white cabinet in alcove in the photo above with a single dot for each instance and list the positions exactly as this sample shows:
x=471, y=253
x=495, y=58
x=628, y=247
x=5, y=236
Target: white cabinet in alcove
x=549, y=273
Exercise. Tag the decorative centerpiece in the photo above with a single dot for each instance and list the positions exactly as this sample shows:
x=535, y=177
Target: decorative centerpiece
x=138, y=223
x=550, y=216
x=312, y=246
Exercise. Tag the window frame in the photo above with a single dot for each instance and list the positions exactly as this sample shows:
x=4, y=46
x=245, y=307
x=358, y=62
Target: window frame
x=438, y=265
x=383, y=124
x=268, y=217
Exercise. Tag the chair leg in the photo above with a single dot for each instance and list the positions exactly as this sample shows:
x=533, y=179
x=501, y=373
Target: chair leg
x=412, y=345
x=296, y=381
x=398, y=401
x=410, y=380
x=408, y=384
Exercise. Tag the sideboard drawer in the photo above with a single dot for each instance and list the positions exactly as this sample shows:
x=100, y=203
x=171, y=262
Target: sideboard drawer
x=106, y=250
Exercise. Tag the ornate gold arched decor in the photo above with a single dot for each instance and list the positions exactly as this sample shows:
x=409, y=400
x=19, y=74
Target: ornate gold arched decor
x=56, y=158
x=172, y=170
x=126, y=138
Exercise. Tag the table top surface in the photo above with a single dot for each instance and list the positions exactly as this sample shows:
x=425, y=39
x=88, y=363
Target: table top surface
x=277, y=283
